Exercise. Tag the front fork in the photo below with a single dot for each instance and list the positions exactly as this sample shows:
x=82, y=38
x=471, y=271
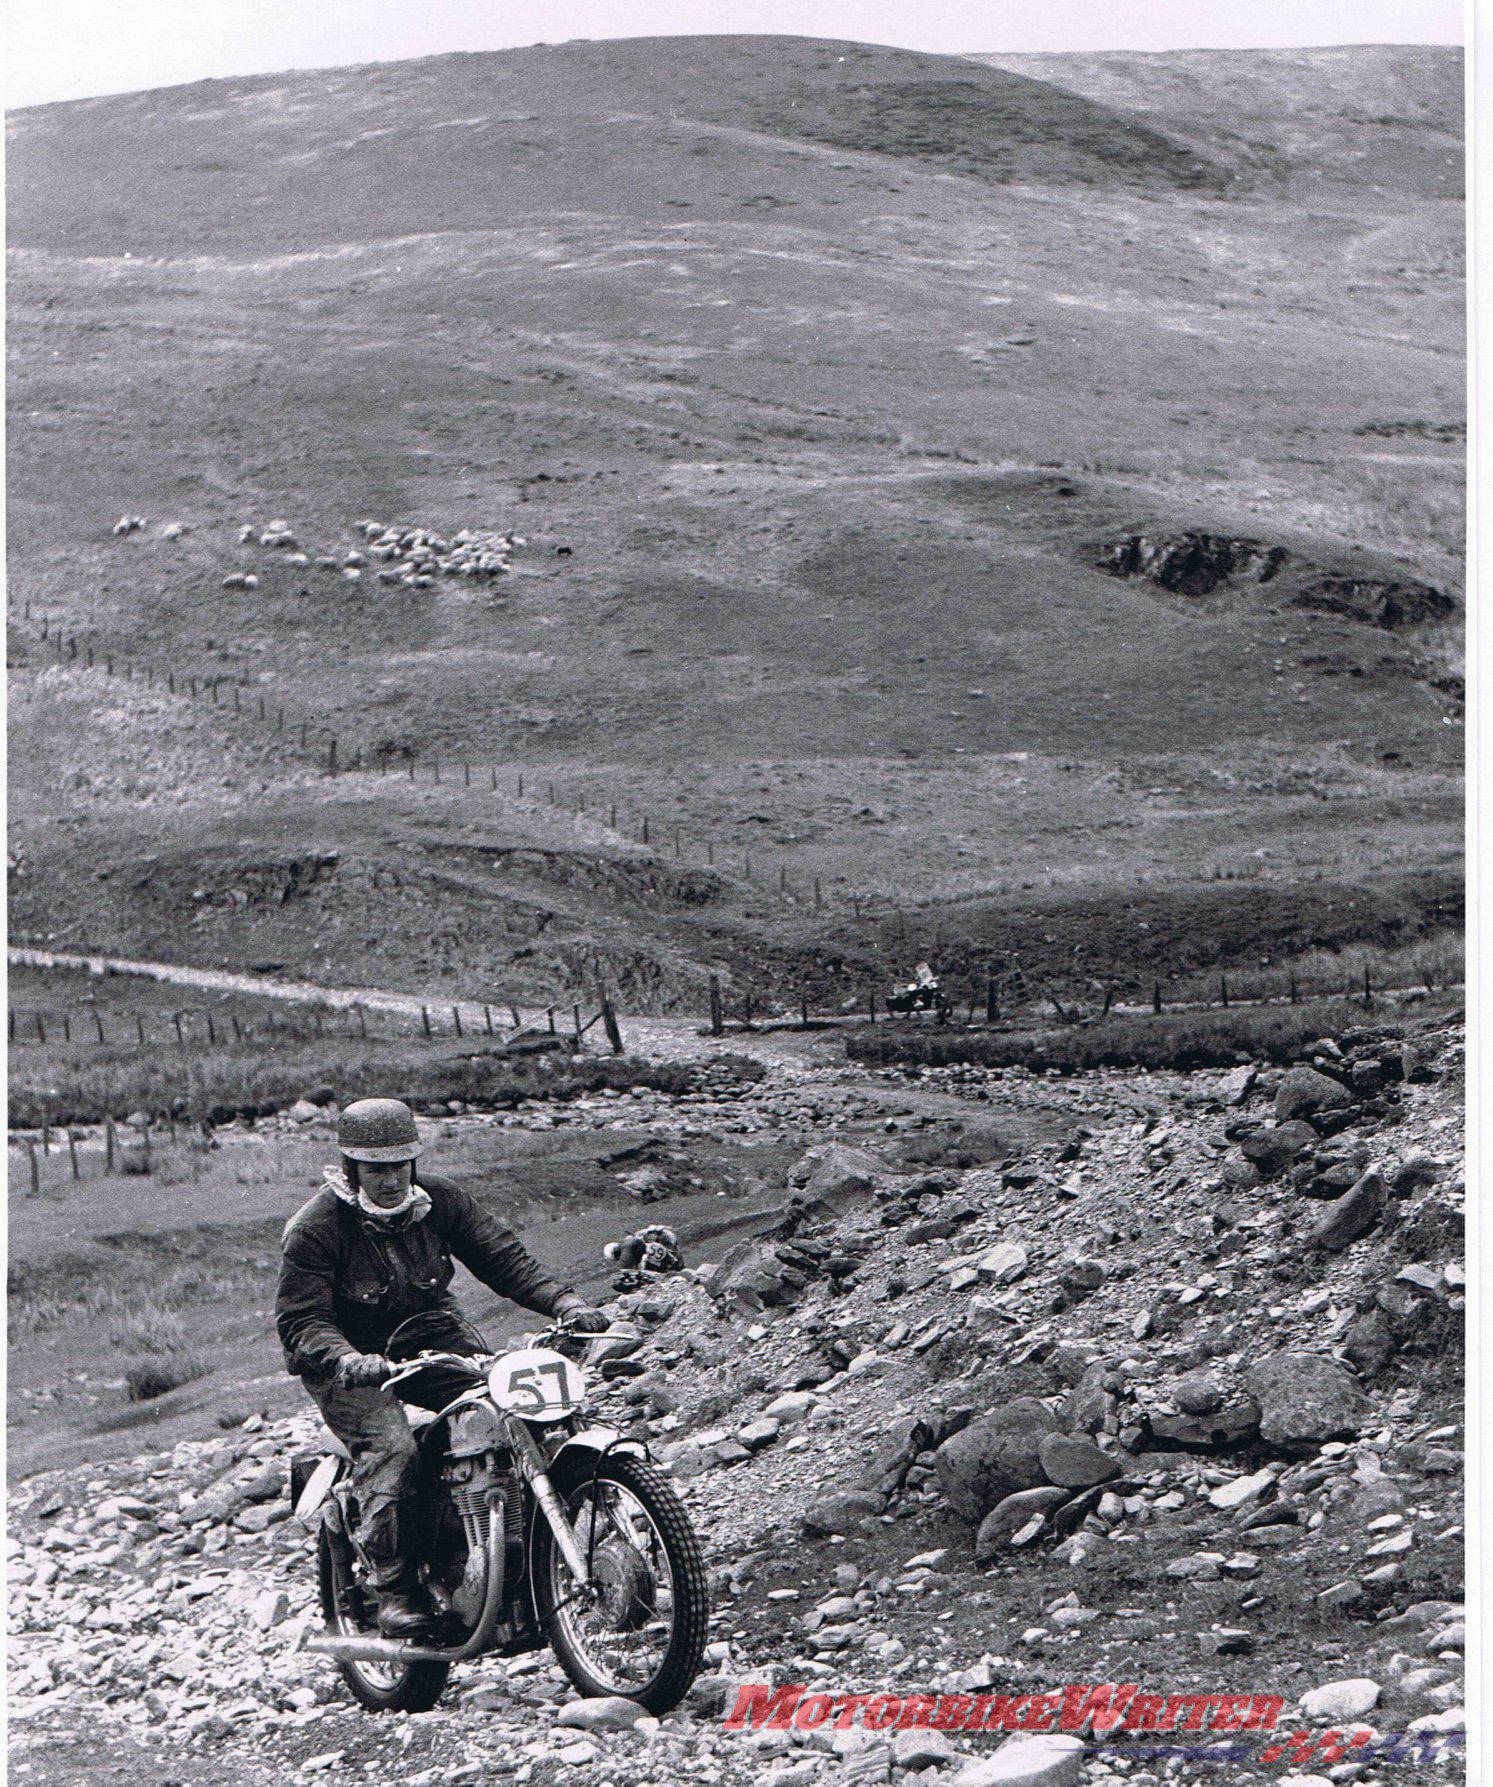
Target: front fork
x=531, y=1462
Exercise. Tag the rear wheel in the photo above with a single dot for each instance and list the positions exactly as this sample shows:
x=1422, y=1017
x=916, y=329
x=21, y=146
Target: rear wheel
x=350, y=1608
x=642, y=1633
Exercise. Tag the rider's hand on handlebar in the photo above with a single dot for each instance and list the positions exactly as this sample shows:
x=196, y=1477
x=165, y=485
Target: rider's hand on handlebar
x=579, y=1319
x=363, y=1371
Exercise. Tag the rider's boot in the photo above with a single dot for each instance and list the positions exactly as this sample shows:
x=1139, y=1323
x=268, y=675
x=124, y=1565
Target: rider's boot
x=403, y=1610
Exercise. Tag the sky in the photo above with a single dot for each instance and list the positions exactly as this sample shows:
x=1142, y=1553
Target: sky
x=72, y=49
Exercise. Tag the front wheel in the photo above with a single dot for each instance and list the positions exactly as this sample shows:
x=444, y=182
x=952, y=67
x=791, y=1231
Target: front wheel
x=347, y=1607
x=641, y=1633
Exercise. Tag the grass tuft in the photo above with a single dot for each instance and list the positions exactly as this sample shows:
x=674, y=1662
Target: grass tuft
x=153, y=1377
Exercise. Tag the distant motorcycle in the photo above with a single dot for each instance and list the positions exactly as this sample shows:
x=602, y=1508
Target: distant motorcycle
x=907, y=1000
x=543, y=1530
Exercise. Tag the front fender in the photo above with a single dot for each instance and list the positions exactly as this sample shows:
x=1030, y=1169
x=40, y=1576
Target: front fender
x=596, y=1440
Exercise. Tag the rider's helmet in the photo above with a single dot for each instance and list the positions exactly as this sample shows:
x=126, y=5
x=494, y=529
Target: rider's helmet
x=379, y=1130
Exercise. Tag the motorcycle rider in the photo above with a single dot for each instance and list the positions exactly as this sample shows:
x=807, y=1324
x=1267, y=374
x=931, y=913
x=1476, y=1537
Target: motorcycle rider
x=642, y=1255
x=372, y=1248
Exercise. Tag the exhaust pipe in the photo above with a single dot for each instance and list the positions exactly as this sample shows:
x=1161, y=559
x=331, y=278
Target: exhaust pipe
x=368, y=1649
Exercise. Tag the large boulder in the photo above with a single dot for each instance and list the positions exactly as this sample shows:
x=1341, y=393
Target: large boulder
x=1272, y=1150
x=1075, y=1462
x=1047, y=1760
x=1010, y=1515
x=751, y=1277
x=994, y=1457
x=1306, y=1399
x=1215, y=1431
x=1351, y=1215
x=838, y=1181
x=1303, y=1092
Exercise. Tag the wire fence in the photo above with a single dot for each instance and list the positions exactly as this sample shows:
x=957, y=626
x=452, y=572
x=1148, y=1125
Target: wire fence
x=323, y=748
x=1003, y=995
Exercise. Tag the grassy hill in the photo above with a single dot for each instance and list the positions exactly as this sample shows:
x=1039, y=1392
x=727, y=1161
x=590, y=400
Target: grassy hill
x=849, y=378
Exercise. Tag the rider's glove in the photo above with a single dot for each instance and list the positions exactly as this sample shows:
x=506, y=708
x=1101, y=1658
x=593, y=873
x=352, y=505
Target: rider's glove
x=363, y=1371
x=575, y=1313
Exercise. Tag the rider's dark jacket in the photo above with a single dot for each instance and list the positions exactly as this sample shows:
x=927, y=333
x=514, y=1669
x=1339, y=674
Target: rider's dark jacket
x=347, y=1280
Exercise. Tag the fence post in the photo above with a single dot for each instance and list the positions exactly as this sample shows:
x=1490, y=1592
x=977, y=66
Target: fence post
x=992, y=1004
x=362, y=1021
x=466, y=774
x=520, y=784
x=212, y=1034
x=1223, y=989
x=98, y=1021
x=67, y=1028
x=332, y=758
x=575, y=1012
x=140, y=1030
x=176, y=1019
x=111, y=1142
x=518, y=1022
x=494, y=774
x=35, y=1169
x=1156, y=997
x=782, y=878
x=645, y=828
x=549, y=1013
x=487, y=1018
x=609, y=1022
x=72, y=1153
x=41, y=1029
x=803, y=1002
x=818, y=898
x=456, y=1018
x=717, y=1017
x=425, y=1019
x=1368, y=996
x=238, y=1030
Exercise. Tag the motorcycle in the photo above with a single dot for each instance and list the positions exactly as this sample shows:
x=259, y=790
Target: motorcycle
x=542, y=1529
x=907, y=1000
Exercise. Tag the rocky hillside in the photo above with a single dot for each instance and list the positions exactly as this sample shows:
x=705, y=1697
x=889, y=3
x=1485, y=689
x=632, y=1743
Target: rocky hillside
x=1172, y=1400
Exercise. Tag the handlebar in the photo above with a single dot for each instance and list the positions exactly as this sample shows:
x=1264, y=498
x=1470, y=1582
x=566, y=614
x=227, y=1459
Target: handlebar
x=478, y=1363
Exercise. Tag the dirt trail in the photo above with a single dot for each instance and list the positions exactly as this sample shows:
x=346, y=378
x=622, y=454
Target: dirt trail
x=664, y=1038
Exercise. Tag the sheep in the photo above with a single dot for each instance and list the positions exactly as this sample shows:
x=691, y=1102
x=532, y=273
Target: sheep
x=241, y=580
x=327, y=562
x=173, y=530
x=246, y=533
x=298, y=558
x=354, y=559
x=351, y=573
x=129, y=524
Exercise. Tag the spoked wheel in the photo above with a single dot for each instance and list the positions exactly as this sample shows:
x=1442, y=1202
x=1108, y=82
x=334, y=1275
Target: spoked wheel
x=350, y=1608
x=641, y=1631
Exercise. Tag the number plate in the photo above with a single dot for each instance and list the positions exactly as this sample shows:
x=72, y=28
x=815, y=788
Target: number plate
x=536, y=1384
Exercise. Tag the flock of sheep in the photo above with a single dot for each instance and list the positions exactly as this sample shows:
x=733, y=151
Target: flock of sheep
x=410, y=556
